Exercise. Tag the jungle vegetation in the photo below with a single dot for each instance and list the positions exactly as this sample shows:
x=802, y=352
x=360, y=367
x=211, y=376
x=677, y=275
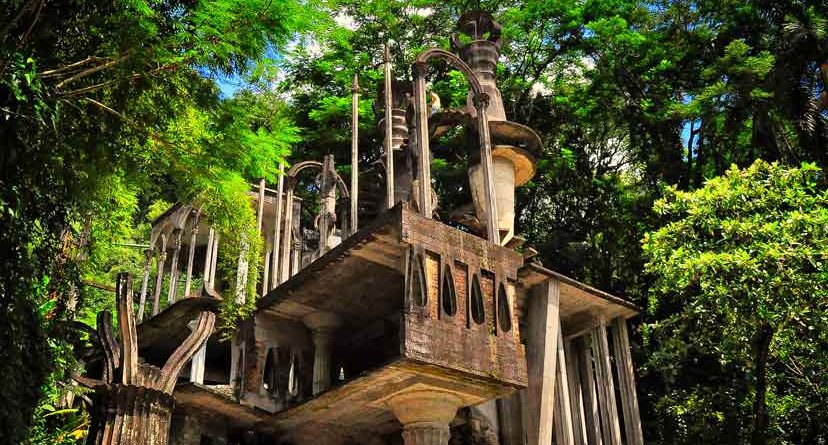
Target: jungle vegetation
x=683, y=167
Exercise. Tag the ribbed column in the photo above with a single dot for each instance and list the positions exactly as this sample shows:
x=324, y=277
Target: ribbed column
x=323, y=325
x=425, y=415
x=426, y=434
x=131, y=415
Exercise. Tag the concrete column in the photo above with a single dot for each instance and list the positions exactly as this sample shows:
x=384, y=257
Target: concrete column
x=260, y=206
x=159, y=281
x=543, y=326
x=214, y=260
x=208, y=258
x=589, y=391
x=198, y=360
x=575, y=398
x=425, y=415
x=610, y=427
x=626, y=382
x=266, y=272
x=277, y=230
x=564, y=434
x=174, y=267
x=241, y=273
x=193, y=237
x=323, y=325
x=144, y=284
x=510, y=419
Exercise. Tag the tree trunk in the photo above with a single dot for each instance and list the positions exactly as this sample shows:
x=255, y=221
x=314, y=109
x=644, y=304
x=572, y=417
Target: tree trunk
x=761, y=351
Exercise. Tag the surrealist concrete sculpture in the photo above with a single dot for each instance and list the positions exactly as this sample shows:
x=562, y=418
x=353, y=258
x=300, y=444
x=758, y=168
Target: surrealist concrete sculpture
x=134, y=400
x=376, y=323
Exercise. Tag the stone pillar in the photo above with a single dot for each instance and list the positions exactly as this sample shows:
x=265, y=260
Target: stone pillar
x=564, y=434
x=208, y=259
x=425, y=415
x=626, y=382
x=193, y=238
x=159, y=281
x=610, y=427
x=174, y=267
x=214, y=261
x=241, y=272
x=266, y=272
x=198, y=360
x=144, y=284
x=542, y=331
x=589, y=391
x=323, y=325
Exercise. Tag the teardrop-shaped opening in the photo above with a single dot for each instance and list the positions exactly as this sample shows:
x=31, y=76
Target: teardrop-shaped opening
x=270, y=372
x=418, y=294
x=293, y=376
x=478, y=313
x=504, y=318
x=447, y=292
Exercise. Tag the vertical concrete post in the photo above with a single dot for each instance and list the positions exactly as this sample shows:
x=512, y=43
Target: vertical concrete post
x=159, y=275
x=543, y=327
x=174, y=267
x=260, y=205
x=482, y=103
x=389, y=128
x=277, y=229
x=611, y=429
x=563, y=417
x=188, y=282
x=144, y=283
x=323, y=326
x=575, y=397
x=424, y=154
x=214, y=260
x=354, y=154
x=198, y=360
x=208, y=258
x=626, y=382
x=284, y=262
x=589, y=392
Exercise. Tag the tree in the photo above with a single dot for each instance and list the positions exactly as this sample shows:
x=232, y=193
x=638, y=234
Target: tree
x=105, y=108
x=742, y=266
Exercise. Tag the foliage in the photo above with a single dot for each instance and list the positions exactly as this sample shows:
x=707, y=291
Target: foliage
x=106, y=108
x=742, y=266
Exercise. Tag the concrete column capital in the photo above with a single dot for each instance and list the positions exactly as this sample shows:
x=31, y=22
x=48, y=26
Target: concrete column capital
x=322, y=322
x=425, y=415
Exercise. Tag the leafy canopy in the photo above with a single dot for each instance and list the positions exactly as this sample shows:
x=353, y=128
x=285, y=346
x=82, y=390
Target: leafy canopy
x=743, y=266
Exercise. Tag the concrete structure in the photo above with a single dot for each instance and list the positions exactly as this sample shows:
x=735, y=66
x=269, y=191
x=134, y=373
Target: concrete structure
x=404, y=330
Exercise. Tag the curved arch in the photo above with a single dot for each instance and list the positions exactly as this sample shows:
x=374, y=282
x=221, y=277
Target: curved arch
x=298, y=167
x=340, y=184
x=481, y=99
x=456, y=62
